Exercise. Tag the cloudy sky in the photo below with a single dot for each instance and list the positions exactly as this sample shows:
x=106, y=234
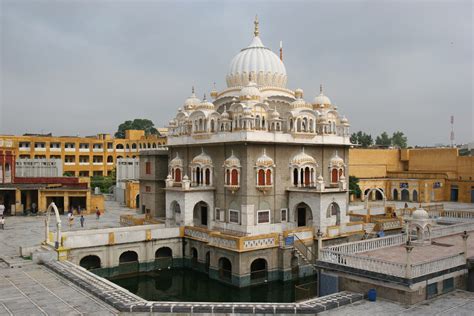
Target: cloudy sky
x=83, y=67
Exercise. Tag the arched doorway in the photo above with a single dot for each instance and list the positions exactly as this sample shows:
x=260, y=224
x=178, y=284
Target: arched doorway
x=366, y=196
x=258, y=270
x=90, y=262
x=128, y=262
x=334, y=210
x=379, y=195
x=163, y=258
x=405, y=195
x=415, y=196
x=395, y=195
x=304, y=215
x=200, y=214
x=225, y=269
x=137, y=201
x=194, y=258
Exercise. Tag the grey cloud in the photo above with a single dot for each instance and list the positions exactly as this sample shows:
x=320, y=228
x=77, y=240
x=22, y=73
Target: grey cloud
x=84, y=67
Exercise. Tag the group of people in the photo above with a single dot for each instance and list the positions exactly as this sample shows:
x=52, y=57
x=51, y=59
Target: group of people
x=70, y=217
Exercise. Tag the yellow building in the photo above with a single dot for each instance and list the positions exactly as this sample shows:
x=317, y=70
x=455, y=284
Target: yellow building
x=83, y=156
x=418, y=175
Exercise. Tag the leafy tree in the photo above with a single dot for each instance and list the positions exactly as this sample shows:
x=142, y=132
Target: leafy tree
x=139, y=124
x=383, y=140
x=399, y=139
x=363, y=139
x=104, y=182
x=354, y=186
x=68, y=174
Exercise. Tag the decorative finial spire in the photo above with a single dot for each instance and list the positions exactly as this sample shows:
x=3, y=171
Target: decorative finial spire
x=192, y=89
x=204, y=99
x=256, y=31
x=321, y=88
x=281, y=50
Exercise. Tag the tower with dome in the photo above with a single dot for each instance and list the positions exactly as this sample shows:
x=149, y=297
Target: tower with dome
x=257, y=160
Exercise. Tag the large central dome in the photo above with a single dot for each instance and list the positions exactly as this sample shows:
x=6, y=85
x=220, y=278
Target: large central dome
x=259, y=63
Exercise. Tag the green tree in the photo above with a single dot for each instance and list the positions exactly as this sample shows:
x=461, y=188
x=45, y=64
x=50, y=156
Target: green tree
x=104, y=182
x=361, y=138
x=383, y=140
x=399, y=139
x=354, y=186
x=139, y=124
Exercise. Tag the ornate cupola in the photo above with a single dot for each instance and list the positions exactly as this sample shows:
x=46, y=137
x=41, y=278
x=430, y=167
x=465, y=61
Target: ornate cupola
x=259, y=62
x=264, y=169
x=205, y=105
x=192, y=102
x=336, y=169
x=232, y=170
x=250, y=92
x=321, y=101
x=303, y=170
x=202, y=170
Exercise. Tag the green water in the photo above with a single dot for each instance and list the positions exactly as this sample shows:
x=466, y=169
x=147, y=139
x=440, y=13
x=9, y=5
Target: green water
x=192, y=286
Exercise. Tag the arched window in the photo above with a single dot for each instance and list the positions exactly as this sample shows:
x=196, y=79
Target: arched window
x=227, y=181
x=212, y=126
x=295, y=176
x=334, y=175
x=110, y=159
x=177, y=175
x=134, y=146
x=261, y=177
x=198, y=175
x=127, y=146
x=306, y=176
x=235, y=177
x=268, y=179
x=208, y=176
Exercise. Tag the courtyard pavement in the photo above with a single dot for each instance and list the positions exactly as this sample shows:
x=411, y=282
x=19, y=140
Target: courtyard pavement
x=31, y=289
x=457, y=303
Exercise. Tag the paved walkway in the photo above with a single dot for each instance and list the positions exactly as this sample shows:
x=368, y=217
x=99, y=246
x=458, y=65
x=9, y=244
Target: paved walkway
x=32, y=289
x=35, y=290
x=29, y=230
x=457, y=303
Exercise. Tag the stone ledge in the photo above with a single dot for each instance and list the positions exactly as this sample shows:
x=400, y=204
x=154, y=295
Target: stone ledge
x=125, y=301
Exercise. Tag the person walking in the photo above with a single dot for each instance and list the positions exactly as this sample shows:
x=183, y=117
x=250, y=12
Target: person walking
x=71, y=219
x=97, y=213
x=82, y=219
x=2, y=222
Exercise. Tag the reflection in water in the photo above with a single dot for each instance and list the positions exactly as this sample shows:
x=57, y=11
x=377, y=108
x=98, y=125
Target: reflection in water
x=192, y=286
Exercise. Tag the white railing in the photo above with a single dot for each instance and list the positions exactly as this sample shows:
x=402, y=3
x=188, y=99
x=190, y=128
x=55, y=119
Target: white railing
x=369, y=244
x=197, y=234
x=392, y=268
x=364, y=263
x=459, y=214
x=428, y=267
x=451, y=229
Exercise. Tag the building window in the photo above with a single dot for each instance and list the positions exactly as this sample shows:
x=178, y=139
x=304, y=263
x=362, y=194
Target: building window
x=234, y=216
x=147, y=188
x=148, y=167
x=284, y=214
x=218, y=214
x=263, y=217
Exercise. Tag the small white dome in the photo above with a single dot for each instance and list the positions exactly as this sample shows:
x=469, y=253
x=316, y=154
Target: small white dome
x=172, y=122
x=191, y=102
x=336, y=160
x=299, y=93
x=232, y=161
x=300, y=103
x=250, y=92
x=264, y=160
x=344, y=120
x=225, y=115
x=176, y=161
x=202, y=159
x=302, y=158
x=205, y=105
x=275, y=114
x=420, y=214
x=321, y=99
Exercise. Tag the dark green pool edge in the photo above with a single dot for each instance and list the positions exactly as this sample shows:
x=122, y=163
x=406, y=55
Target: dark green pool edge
x=126, y=302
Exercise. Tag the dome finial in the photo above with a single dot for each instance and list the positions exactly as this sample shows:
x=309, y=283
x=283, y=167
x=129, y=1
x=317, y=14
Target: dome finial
x=192, y=89
x=321, y=88
x=256, y=31
x=281, y=50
